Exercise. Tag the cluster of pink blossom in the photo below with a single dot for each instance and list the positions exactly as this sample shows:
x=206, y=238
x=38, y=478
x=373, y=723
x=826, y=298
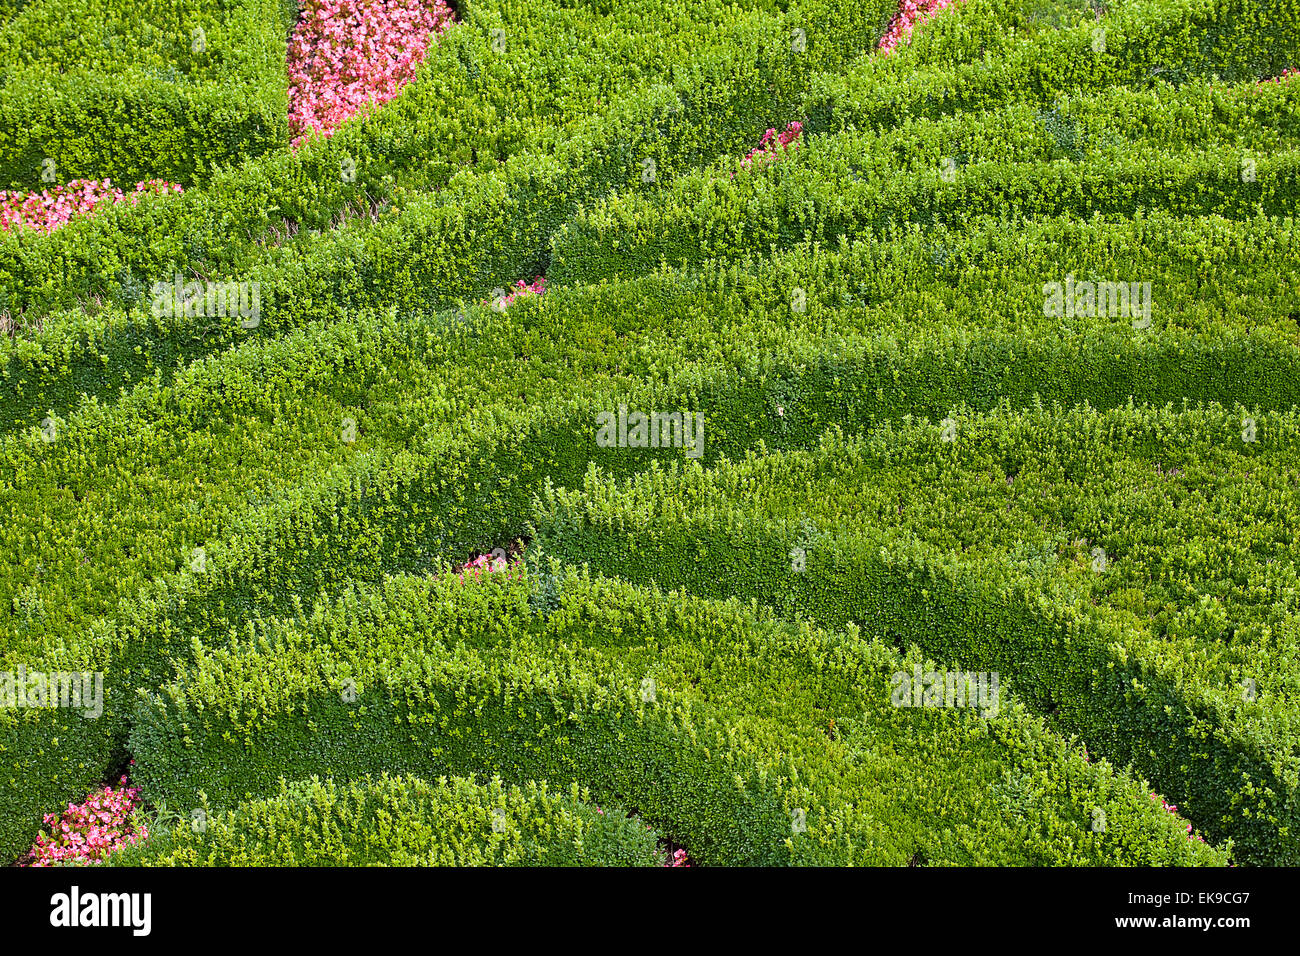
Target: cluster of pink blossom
x=348, y=54
x=476, y=567
x=51, y=208
x=772, y=144
x=89, y=832
x=1289, y=71
x=521, y=289
x=910, y=13
x=1174, y=810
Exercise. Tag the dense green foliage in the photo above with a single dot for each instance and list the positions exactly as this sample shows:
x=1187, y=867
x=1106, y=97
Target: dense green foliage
x=132, y=90
x=403, y=821
x=1145, y=598
x=908, y=459
x=715, y=723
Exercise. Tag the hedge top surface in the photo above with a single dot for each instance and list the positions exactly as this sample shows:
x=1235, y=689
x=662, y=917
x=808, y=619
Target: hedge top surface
x=404, y=821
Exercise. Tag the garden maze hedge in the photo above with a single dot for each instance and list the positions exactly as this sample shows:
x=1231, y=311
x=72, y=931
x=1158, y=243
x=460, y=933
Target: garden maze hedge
x=991, y=371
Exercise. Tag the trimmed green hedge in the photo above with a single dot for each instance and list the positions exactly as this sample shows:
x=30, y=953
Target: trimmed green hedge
x=451, y=677
x=462, y=425
x=1179, y=655
x=726, y=85
x=832, y=188
x=421, y=710
x=1207, y=274
x=403, y=821
x=1209, y=277
x=121, y=91
x=95, y=538
x=1147, y=43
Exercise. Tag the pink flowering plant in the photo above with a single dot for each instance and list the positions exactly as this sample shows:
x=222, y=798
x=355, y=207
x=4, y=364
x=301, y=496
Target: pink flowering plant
x=772, y=145
x=88, y=832
x=51, y=208
x=520, y=289
x=486, y=564
x=910, y=13
x=348, y=55
x=1289, y=71
x=1171, y=808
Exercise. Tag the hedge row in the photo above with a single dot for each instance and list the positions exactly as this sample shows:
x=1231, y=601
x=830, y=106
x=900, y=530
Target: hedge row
x=128, y=92
x=671, y=704
x=403, y=821
x=1206, y=276
x=853, y=180
x=441, y=470
x=1251, y=117
x=993, y=271
x=829, y=188
x=1172, y=647
x=1256, y=118
x=172, y=465
x=84, y=534
x=1146, y=44
x=1211, y=277
x=725, y=85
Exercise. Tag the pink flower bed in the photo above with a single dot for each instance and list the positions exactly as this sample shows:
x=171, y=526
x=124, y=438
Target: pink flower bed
x=521, y=289
x=910, y=13
x=51, y=208
x=485, y=564
x=346, y=55
x=90, y=831
x=1289, y=71
x=772, y=145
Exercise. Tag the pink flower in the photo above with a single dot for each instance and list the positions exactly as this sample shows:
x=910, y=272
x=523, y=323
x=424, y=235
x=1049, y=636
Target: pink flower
x=51, y=208
x=347, y=56
x=1171, y=808
x=485, y=562
x=88, y=832
x=910, y=13
x=771, y=145
x=521, y=289
x=1289, y=71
